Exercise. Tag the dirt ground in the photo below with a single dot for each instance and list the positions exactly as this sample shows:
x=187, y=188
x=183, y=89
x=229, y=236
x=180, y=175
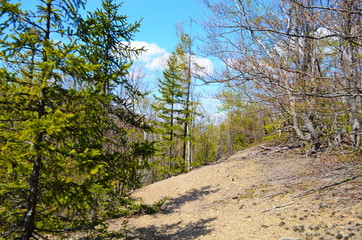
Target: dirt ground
x=255, y=195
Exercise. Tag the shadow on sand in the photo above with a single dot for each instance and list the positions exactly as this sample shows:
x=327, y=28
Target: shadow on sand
x=176, y=231
x=179, y=230
x=174, y=204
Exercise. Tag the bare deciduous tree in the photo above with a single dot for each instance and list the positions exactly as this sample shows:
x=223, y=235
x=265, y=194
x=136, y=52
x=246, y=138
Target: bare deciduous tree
x=303, y=56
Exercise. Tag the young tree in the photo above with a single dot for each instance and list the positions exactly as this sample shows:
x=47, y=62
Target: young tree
x=206, y=141
x=57, y=113
x=247, y=121
x=106, y=35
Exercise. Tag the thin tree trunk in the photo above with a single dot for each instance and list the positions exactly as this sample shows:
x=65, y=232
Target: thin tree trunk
x=29, y=219
x=187, y=143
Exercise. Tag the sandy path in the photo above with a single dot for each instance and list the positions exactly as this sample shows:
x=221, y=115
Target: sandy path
x=250, y=196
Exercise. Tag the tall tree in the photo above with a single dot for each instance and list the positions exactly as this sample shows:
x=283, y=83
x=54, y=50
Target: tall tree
x=57, y=116
x=184, y=51
x=106, y=35
x=169, y=111
x=177, y=110
x=291, y=51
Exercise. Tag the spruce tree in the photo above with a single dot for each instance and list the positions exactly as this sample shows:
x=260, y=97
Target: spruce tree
x=58, y=162
x=176, y=110
x=169, y=112
x=106, y=35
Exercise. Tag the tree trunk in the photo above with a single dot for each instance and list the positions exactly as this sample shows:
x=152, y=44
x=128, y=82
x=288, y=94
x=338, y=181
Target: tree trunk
x=29, y=219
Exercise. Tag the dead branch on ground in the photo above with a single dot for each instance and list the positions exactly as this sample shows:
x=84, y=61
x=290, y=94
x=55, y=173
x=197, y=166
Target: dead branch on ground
x=326, y=186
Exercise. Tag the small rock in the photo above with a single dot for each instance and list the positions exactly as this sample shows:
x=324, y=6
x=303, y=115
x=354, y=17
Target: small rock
x=332, y=225
x=339, y=236
x=288, y=238
x=309, y=237
x=322, y=225
x=281, y=224
x=298, y=229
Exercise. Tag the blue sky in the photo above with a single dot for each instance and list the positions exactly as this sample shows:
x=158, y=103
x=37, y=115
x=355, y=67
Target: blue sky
x=158, y=33
x=160, y=17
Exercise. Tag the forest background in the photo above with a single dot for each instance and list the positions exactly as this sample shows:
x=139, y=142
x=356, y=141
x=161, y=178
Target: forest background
x=78, y=130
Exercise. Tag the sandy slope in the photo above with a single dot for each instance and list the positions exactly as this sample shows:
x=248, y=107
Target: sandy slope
x=254, y=196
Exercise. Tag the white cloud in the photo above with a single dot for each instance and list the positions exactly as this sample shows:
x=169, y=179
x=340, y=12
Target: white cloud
x=158, y=63
x=155, y=58
x=152, y=49
x=205, y=64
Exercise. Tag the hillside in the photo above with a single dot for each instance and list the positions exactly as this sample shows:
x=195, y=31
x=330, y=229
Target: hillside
x=255, y=195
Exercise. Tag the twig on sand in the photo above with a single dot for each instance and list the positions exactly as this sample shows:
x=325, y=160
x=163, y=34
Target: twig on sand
x=325, y=186
x=278, y=206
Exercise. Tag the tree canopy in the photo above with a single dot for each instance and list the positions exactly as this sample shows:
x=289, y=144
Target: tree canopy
x=66, y=158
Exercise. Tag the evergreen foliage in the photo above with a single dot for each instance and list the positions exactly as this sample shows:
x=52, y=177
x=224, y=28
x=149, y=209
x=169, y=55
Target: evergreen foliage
x=175, y=110
x=169, y=112
x=65, y=155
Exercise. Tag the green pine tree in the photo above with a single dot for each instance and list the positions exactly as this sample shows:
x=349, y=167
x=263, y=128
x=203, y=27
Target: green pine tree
x=169, y=111
x=64, y=150
x=175, y=109
x=105, y=34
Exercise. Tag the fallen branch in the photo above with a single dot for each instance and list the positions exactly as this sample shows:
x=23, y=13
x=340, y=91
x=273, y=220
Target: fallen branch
x=326, y=186
x=278, y=206
x=271, y=196
x=281, y=148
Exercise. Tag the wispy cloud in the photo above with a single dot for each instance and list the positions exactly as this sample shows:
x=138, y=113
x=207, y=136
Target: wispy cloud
x=154, y=58
x=204, y=66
